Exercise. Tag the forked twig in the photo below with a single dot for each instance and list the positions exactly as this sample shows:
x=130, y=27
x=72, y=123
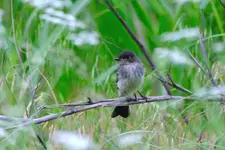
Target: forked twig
x=175, y=85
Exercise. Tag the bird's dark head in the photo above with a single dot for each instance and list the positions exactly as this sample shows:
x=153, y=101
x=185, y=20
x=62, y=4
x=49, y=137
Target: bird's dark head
x=127, y=57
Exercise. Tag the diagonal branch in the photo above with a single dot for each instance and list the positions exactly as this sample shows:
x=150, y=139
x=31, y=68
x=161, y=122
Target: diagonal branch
x=141, y=46
x=204, y=53
x=196, y=62
x=222, y=3
x=175, y=85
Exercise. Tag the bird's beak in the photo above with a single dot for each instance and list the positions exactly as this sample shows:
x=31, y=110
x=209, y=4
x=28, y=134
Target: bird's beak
x=116, y=59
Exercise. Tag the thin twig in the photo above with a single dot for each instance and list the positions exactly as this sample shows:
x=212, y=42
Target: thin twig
x=39, y=137
x=116, y=46
x=32, y=92
x=196, y=62
x=49, y=85
x=98, y=1
x=41, y=82
x=141, y=46
x=186, y=120
x=175, y=85
x=203, y=49
x=121, y=101
x=203, y=25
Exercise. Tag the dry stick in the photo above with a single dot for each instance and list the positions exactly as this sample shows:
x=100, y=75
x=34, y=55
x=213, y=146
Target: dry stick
x=206, y=61
x=121, y=101
x=173, y=84
x=141, y=46
x=202, y=44
x=32, y=92
x=204, y=72
x=177, y=86
x=196, y=62
x=39, y=137
x=33, y=105
x=203, y=49
x=204, y=53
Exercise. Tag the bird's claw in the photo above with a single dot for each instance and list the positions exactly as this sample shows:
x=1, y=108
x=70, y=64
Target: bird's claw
x=129, y=99
x=89, y=100
x=135, y=97
x=144, y=97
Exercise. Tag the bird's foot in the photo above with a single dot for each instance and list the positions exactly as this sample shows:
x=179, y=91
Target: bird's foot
x=129, y=99
x=144, y=97
x=135, y=97
x=89, y=100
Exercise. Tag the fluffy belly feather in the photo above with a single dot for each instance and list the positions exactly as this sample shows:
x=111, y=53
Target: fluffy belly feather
x=130, y=80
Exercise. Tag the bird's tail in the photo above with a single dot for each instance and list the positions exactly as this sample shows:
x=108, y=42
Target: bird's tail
x=123, y=111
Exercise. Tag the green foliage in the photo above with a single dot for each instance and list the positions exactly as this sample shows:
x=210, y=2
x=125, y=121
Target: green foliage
x=68, y=72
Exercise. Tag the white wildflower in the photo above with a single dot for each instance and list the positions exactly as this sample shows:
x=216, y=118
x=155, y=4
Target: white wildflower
x=188, y=33
x=130, y=139
x=73, y=141
x=173, y=55
x=85, y=37
x=218, y=47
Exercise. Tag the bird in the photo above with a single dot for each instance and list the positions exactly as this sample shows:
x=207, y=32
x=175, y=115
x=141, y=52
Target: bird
x=130, y=76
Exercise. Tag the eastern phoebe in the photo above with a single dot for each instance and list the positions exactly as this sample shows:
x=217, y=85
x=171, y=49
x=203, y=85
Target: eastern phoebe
x=130, y=75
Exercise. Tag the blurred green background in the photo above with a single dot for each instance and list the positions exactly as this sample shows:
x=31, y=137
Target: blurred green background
x=66, y=48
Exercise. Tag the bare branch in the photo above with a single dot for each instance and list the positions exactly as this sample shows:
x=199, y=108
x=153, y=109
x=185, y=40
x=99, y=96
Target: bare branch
x=196, y=62
x=186, y=120
x=203, y=49
x=173, y=84
x=83, y=106
x=141, y=46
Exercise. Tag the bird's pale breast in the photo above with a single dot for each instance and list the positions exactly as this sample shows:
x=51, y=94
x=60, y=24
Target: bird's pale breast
x=130, y=77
